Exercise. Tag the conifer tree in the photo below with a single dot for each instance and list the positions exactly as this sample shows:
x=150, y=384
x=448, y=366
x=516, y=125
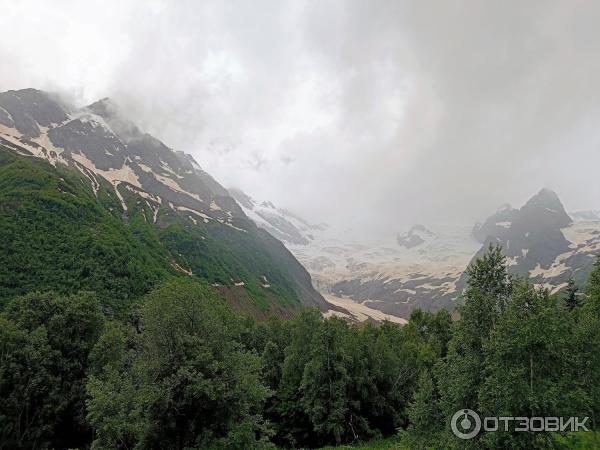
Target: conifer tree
x=572, y=300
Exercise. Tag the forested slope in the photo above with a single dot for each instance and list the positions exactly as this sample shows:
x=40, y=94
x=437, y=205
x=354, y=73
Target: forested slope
x=58, y=233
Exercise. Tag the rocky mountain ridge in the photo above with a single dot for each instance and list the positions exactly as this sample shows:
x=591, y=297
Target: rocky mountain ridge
x=543, y=242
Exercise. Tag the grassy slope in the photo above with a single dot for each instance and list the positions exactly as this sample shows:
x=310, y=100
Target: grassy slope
x=55, y=234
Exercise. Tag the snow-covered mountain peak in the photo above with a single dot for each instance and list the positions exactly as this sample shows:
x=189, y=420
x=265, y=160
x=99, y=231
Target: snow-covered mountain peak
x=547, y=199
x=282, y=224
x=106, y=146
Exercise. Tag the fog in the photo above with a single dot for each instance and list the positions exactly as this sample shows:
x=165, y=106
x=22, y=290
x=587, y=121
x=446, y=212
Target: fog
x=369, y=114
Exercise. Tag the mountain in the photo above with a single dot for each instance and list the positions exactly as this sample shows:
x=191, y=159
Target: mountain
x=543, y=242
x=540, y=240
x=388, y=277
x=414, y=237
x=495, y=224
x=366, y=278
x=282, y=224
x=90, y=182
x=533, y=235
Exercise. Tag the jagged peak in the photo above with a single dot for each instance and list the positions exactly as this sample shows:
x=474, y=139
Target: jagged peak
x=27, y=109
x=547, y=204
x=415, y=236
x=546, y=198
x=122, y=126
x=547, y=193
x=268, y=204
x=585, y=215
x=104, y=107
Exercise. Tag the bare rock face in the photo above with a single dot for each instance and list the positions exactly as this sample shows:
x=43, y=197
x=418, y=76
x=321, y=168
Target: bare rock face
x=495, y=224
x=541, y=241
x=414, y=237
x=533, y=235
x=102, y=144
x=29, y=109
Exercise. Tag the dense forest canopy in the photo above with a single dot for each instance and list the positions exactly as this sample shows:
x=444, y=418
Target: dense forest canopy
x=181, y=369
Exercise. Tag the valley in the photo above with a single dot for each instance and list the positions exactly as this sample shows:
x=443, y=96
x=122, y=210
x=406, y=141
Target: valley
x=424, y=268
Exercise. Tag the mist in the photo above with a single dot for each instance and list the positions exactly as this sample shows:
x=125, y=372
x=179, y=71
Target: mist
x=372, y=115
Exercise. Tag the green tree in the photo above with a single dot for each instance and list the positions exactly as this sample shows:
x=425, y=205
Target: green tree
x=529, y=370
x=325, y=381
x=189, y=383
x=572, y=300
x=293, y=424
x=433, y=328
x=485, y=298
x=45, y=341
x=377, y=380
x=432, y=333
x=425, y=415
x=587, y=335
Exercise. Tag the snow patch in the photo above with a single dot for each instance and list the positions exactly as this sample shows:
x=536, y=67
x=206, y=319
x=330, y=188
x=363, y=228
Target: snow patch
x=193, y=211
x=181, y=269
x=361, y=312
x=170, y=183
x=114, y=176
x=94, y=120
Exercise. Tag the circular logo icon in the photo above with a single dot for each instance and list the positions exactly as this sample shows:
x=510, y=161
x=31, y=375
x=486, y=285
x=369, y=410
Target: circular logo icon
x=465, y=424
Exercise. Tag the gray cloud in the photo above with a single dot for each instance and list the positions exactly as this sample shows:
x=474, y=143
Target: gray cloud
x=374, y=114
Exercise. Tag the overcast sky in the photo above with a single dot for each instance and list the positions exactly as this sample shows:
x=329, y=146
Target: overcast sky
x=377, y=114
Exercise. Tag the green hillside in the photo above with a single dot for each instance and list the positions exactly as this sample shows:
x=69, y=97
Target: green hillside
x=56, y=234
